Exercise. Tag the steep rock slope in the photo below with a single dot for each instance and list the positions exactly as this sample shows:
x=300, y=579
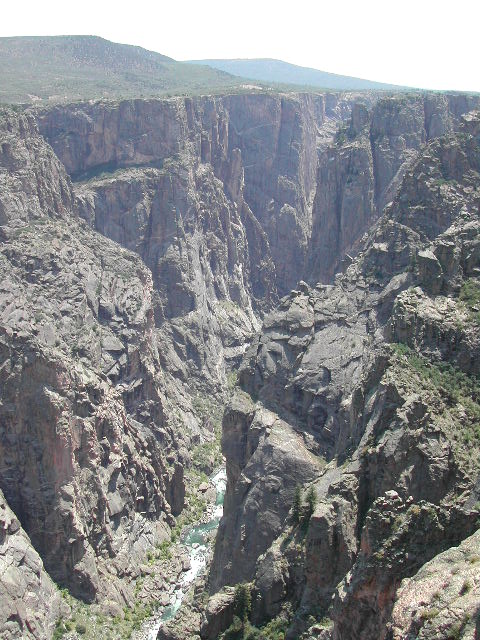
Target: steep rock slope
x=112, y=357
x=362, y=171
x=231, y=200
x=443, y=598
x=215, y=195
x=262, y=148
x=83, y=439
x=273, y=154
x=371, y=384
x=29, y=601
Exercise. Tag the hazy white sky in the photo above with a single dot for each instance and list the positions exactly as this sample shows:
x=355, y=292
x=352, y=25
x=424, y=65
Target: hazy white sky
x=423, y=43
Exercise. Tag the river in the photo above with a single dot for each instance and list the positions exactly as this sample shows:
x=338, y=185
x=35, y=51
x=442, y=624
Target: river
x=196, y=542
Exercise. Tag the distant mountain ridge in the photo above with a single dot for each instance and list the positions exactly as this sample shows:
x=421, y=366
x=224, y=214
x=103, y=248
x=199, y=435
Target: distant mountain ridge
x=65, y=68
x=270, y=70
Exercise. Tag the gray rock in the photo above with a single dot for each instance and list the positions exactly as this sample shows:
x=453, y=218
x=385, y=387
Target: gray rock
x=443, y=598
x=29, y=601
x=218, y=614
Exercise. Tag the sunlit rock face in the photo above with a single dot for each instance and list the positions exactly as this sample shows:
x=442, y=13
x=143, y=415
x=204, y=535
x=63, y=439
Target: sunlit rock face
x=368, y=380
x=83, y=441
x=143, y=244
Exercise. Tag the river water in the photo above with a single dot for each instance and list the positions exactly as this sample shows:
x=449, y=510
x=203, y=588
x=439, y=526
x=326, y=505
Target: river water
x=196, y=542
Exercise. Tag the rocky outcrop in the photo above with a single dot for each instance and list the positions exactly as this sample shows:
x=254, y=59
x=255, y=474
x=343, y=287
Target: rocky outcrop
x=266, y=459
x=178, y=629
x=193, y=240
x=231, y=199
x=29, y=601
x=262, y=148
x=361, y=173
x=389, y=429
x=345, y=204
x=273, y=156
x=396, y=541
x=443, y=598
x=218, y=614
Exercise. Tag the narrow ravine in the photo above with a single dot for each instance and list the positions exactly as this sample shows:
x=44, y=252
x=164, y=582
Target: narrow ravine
x=196, y=542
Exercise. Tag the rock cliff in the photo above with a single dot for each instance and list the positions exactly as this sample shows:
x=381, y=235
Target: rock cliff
x=371, y=383
x=231, y=200
x=84, y=446
x=29, y=601
x=142, y=245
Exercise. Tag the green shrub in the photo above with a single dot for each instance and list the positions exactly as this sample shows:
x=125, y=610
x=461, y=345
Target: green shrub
x=235, y=631
x=455, y=387
x=163, y=549
x=232, y=379
x=275, y=629
x=466, y=587
x=470, y=296
x=429, y=614
x=59, y=631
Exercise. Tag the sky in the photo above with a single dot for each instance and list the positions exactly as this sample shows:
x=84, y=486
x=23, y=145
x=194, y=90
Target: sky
x=419, y=43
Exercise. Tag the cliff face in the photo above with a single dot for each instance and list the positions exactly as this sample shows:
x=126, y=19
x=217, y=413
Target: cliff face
x=443, y=598
x=372, y=382
x=129, y=293
x=362, y=171
x=30, y=602
x=231, y=200
x=263, y=149
x=313, y=173
x=83, y=440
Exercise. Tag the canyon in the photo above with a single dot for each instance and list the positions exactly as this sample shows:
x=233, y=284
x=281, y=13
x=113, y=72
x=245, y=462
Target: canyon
x=305, y=265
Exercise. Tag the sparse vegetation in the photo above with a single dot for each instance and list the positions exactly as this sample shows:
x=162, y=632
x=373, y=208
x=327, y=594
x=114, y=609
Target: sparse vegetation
x=275, y=629
x=88, y=622
x=70, y=68
x=466, y=587
x=455, y=631
x=470, y=296
x=232, y=380
x=194, y=507
x=456, y=388
x=163, y=550
x=207, y=456
x=326, y=623
x=243, y=601
x=429, y=614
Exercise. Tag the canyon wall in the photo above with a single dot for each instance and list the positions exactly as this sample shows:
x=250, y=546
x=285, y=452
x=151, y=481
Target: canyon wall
x=87, y=458
x=232, y=200
x=365, y=392
x=143, y=242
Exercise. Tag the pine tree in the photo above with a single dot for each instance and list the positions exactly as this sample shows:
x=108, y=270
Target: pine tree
x=297, y=504
x=311, y=500
x=242, y=601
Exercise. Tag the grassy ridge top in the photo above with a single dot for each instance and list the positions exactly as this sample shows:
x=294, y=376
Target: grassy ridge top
x=66, y=68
